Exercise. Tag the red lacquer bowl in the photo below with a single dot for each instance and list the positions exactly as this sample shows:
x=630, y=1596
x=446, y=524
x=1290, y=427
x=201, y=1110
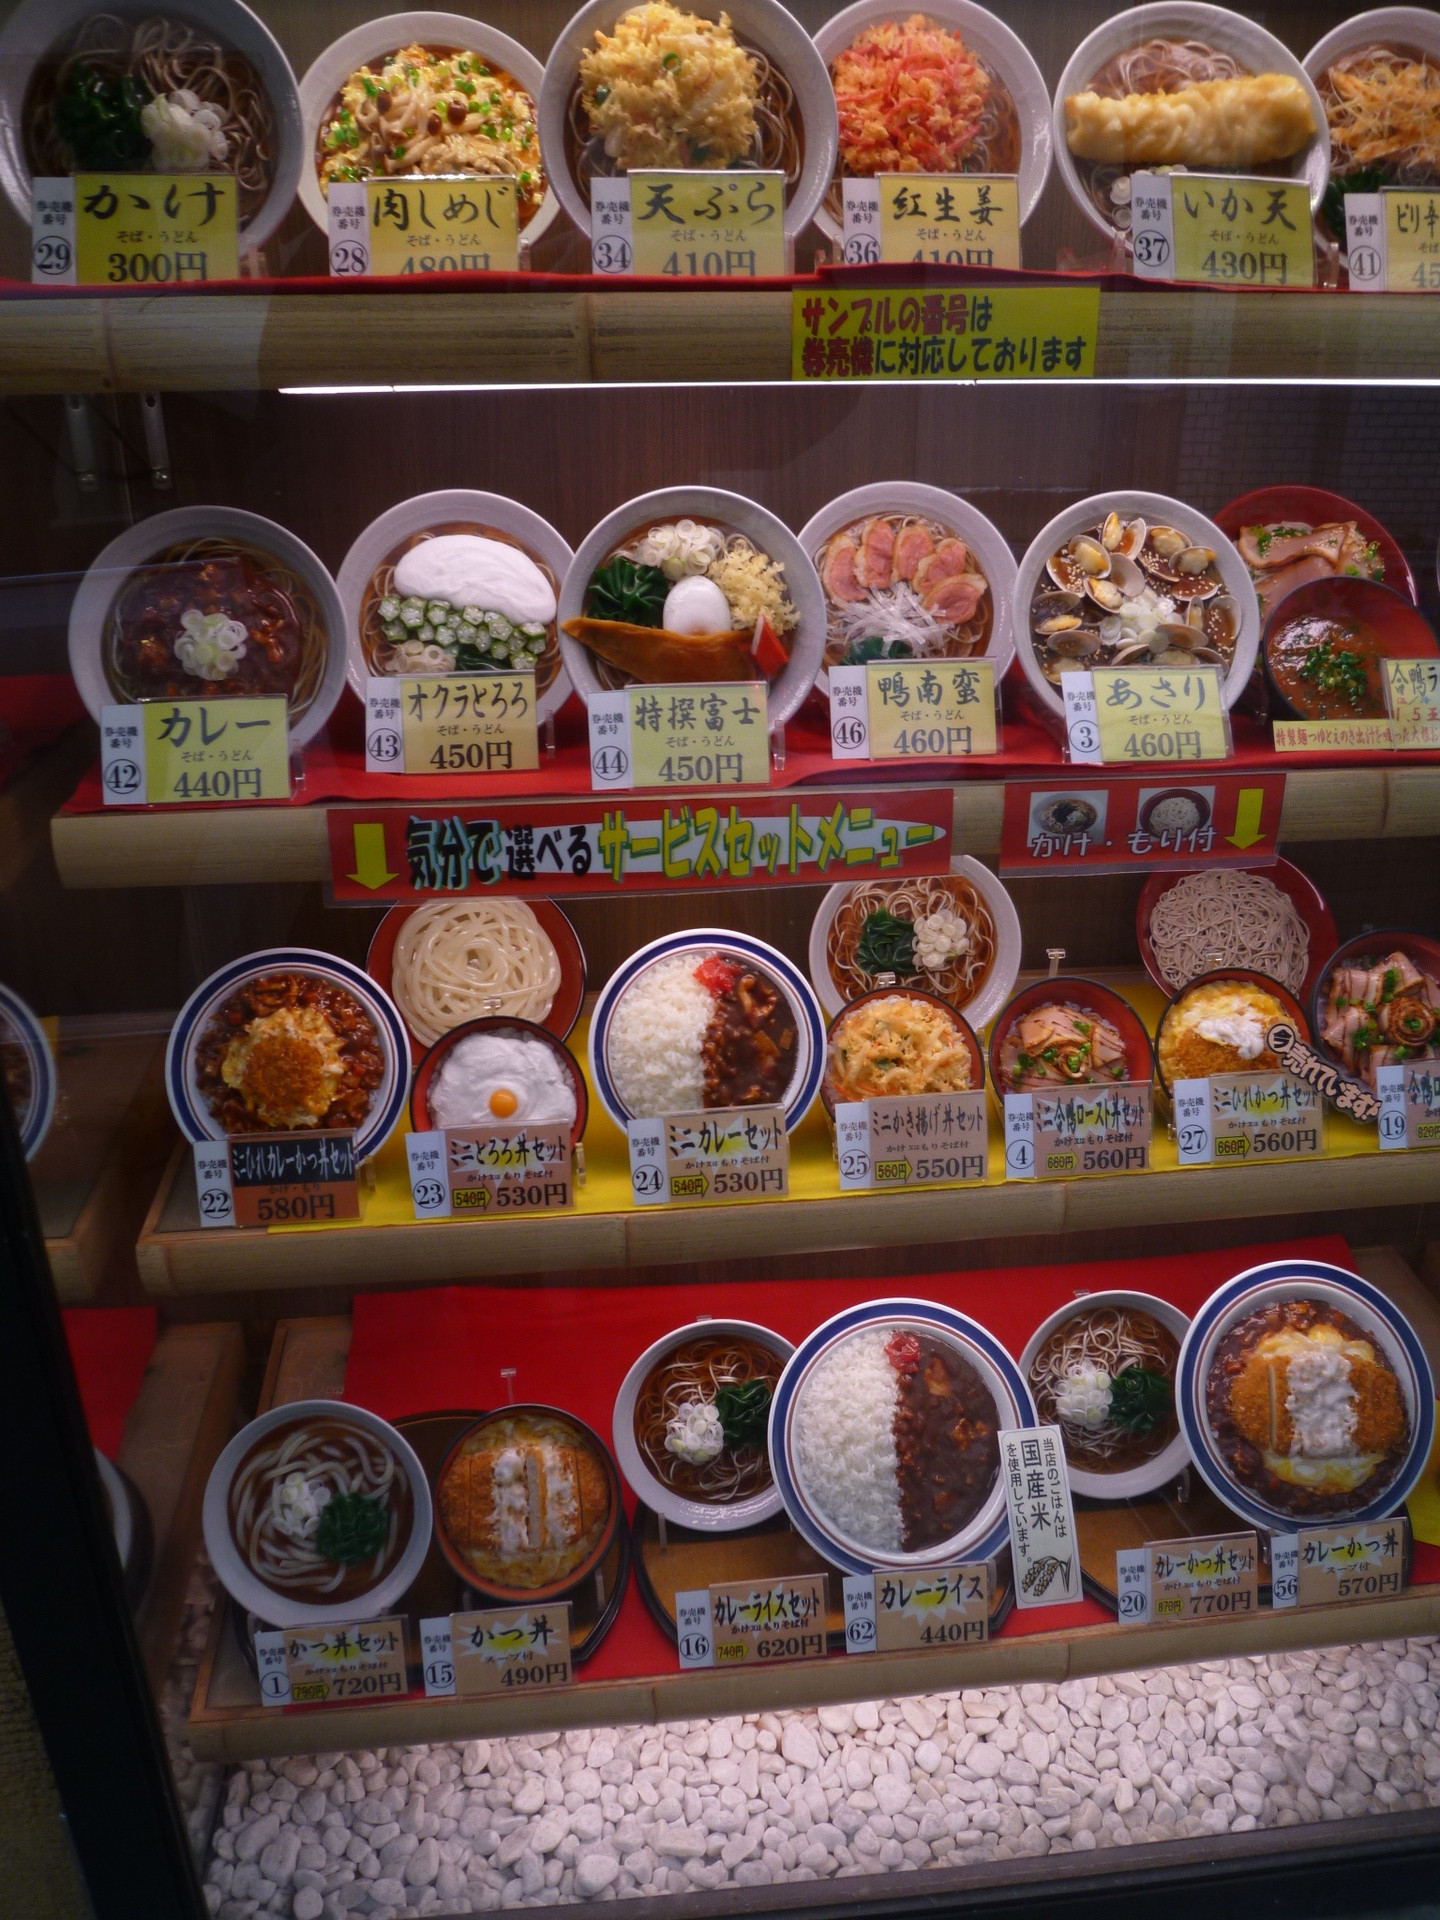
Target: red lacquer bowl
x=425, y=1073
x=1403, y=631
x=1073, y=991
x=1315, y=506
x=1292, y=1007
x=1301, y=889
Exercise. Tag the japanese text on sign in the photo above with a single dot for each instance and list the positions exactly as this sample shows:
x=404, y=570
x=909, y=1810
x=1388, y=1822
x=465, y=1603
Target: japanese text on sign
x=1231, y=232
x=915, y=333
x=439, y=224
x=1393, y=240
x=1409, y=1093
x=705, y=224
x=195, y=752
x=1235, y=1117
x=1137, y=825
x=1085, y=1131
x=1042, y=1518
x=293, y=1179
x=915, y=1140
x=731, y=1153
x=900, y=1612
x=135, y=229
x=1332, y=736
x=682, y=736
x=1204, y=1579
x=327, y=1666
x=742, y=1623
x=503, y=1650
x=1412, y=696
x=1150, y=714
x=913, y=710
x=471, y=1172
x=1322, y=1565
x=963, y=220
x=451, y=723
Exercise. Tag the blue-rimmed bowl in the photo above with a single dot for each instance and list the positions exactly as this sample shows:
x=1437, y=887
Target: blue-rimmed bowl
x=1371, y=1310
x=987, y=1532
x=21, y=1028
x=188, y=1104
x=809, y=1021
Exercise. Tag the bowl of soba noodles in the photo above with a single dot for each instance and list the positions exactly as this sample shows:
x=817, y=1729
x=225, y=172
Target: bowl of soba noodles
x=317, y=1511
x=690, y=1424
x=1102, y=1369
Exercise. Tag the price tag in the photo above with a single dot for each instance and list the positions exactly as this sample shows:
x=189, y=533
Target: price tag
x=917, y=1140
x=1084, y=1131
x=1392, y=240
x=1042, y=1517
x=327, y=1666
x=451, y=723
x=212, y=1183
x=759, y=1623
x=293, y=1179
x=700, y=735
x=694, y=1632
x=902, y=1613
x=953, y=219
x=1412, y=697
x=1247, y=1116
x=1150, y=714
x=1284, y=1569
x=1361, y=1561
x=1226, y=229
x=183, y=752
x=1409, y=1104
x=508, y=1169
x=441, y=223
x=135, y=229
x=913, y=710
x=706, y=224
x=1082, y=722
x=730, y=1153
x=612, y=247
x=1213, y=1578
x=504, y=1650
x=1132, y=1585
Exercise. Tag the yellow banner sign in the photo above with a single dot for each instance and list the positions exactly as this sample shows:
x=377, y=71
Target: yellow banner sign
x=442, y=224
x=931, y=710
x=463, y=723
x=155, y=229
x=215, y=750
x=720, y=226
x=944, y=333
x=700, y=735
x=1151, y=714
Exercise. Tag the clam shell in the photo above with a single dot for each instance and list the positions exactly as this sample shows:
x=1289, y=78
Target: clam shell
x=1090, y=557
x=1077, y=645
x=1112, y=532
x=1194, y=559
x=1167, y=542
x=1127, y=576
x=1133, y=538
x=1058, y=623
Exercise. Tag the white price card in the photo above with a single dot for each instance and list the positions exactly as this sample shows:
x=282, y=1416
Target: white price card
x=1082, y=718
x=849, y=703
x=274, y=1669
x=1019, y=1136
x=429, y=1175
x=612, y=760
x=695, y=1634
x=612, y=241
x=437, y=1657
x=1042, y=1517
x=1132, y=1585
x=861, y=246
x=1284, y=1569
x=649, y=1167
x=1409, y=1104
x=859, y=1604
x=214, y=1192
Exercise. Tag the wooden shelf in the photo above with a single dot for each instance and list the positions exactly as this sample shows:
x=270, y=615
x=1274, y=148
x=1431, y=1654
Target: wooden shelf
x=565, y=335
x=185, y=847
x=228, y=1723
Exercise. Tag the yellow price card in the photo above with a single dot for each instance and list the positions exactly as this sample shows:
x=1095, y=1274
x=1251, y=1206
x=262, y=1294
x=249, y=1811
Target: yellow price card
x=1412, y=694
x=155, y=229
x=188, y=752
x=943, y=333
x=945, y=219
x=451, y=723
x=718, y=226
x=438, y=224
x=930, y=710
x=1147, y=715
x=1225, y=229
x=698, y=735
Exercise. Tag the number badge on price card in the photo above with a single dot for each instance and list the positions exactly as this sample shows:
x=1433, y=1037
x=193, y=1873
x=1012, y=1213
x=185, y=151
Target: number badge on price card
x=135, y=229
x=452, y=723
x=1393, y=240
x=327, y=1666
x=913, y=710
x=1409, y=1104
x=1227, y=230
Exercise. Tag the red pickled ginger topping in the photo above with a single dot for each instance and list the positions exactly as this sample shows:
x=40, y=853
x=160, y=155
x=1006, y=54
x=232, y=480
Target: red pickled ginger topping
x=902, y=1350
x=717, y=976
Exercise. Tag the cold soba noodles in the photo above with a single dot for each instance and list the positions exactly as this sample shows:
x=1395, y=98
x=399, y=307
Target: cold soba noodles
x=1228, y=919
x=700, y=1419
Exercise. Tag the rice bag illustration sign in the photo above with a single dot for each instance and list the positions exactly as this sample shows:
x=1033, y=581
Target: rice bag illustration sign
x=1393, y=240
x=328, y=1666
x=1169, y=1582
x=500, y=1650
x=451, y=723
x=949, y=219
x=745, y=1623
x=1226, y=229
x=438, y=224
x=135, y=229
x=1247, y=1116
x=729, y=1153
x=913, y=710
x=1042, y=1517
x=902, y=1613
x=1319, y=1566
x=913, y=1140
x=165, y=753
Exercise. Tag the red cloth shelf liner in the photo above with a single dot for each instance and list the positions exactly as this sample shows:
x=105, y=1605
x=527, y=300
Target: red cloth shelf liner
x=110, y=1348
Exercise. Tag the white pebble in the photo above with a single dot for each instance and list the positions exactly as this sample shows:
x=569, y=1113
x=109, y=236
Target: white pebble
x=799, y=1745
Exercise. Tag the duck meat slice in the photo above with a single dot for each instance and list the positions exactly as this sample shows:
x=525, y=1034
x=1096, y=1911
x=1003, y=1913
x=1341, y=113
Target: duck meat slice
x=954, y=598
x=877, y=547
x=952, y=556
x=1273, y=587
x=1263, y=547
x=837, y=573
x=913, y=546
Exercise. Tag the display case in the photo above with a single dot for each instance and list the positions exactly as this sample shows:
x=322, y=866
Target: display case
x=720, y=953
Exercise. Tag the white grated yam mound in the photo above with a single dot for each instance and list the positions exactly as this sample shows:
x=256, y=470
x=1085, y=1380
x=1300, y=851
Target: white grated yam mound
x=844, y=1431
x=656, y=1030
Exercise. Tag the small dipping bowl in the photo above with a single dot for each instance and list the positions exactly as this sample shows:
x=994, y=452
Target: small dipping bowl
x=958, y=1021
x=420, y=1116
x=1293, y=1012
x=1401, y=629
x=1092, y=997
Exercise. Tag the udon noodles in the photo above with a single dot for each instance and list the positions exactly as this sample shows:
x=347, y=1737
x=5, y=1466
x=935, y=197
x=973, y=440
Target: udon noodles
x=958, y=977
x=152, y=95
x=279, y=1496
x=697, y=1375
x=1155, y=66
x=458, y=960
x=1228, y=919
x=1107, y=1377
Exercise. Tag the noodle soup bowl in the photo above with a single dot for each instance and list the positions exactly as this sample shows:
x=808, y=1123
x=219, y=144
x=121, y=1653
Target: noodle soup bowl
x=1156, y=510
x=764, y=25
x=1088, y=996
x=999, y=50
x=421, y=1117
x=38, y=26
x=1424, y=952
x=987, y=545
x=139, y=545
x=1413, y=29
x=452, y=510
x=20, y=1029
x=245, y=1585
x=1242, y=976
x=985, y=1533
x=1298, y=887
x=1174, y=1457
x=1274, y=1282
x=376, y=41
x=959, y=1026
x=682, y=1510
x=1401, y=632
x=1218, y=27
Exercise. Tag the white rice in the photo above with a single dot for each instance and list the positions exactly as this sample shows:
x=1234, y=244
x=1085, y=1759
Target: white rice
x=655, y=1035
x=844, y=1434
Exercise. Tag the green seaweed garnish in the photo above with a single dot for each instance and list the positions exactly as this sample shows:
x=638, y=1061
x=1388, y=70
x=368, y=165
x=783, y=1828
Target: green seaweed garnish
x=353, y=1527
x=886, y=944
x=1139, y=1399
x=628, y=590
x=743, y=1406
x=99, y=121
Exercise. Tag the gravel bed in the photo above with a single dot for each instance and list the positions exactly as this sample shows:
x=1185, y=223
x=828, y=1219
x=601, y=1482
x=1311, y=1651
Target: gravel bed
x=895, y=1786
x=197, y=1782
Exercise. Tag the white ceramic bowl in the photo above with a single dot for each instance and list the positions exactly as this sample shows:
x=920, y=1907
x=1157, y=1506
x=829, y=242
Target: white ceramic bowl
x=982, y=536
x=1000, y=51
x=1152, y=1473
x=765, y=25
x=36, y=25
x=139, y=544
x=425, y=510
x=20, y=1025
x=377, y=39
x=1382, y=1321
x=771, y=536
x=1006, y=965
x=278, y=1610
x=122, y=1519
x=1159, y=510
x=1218, y=27
x=704, y=1516
x=1417, y=27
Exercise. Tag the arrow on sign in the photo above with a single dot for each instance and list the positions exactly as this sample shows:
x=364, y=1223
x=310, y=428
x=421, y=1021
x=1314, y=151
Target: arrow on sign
x=1248, y=808
x=370, y=868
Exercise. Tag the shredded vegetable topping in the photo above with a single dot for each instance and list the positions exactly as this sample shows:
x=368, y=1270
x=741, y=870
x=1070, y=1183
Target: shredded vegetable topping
x=911, y=99
x=1384, y=108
